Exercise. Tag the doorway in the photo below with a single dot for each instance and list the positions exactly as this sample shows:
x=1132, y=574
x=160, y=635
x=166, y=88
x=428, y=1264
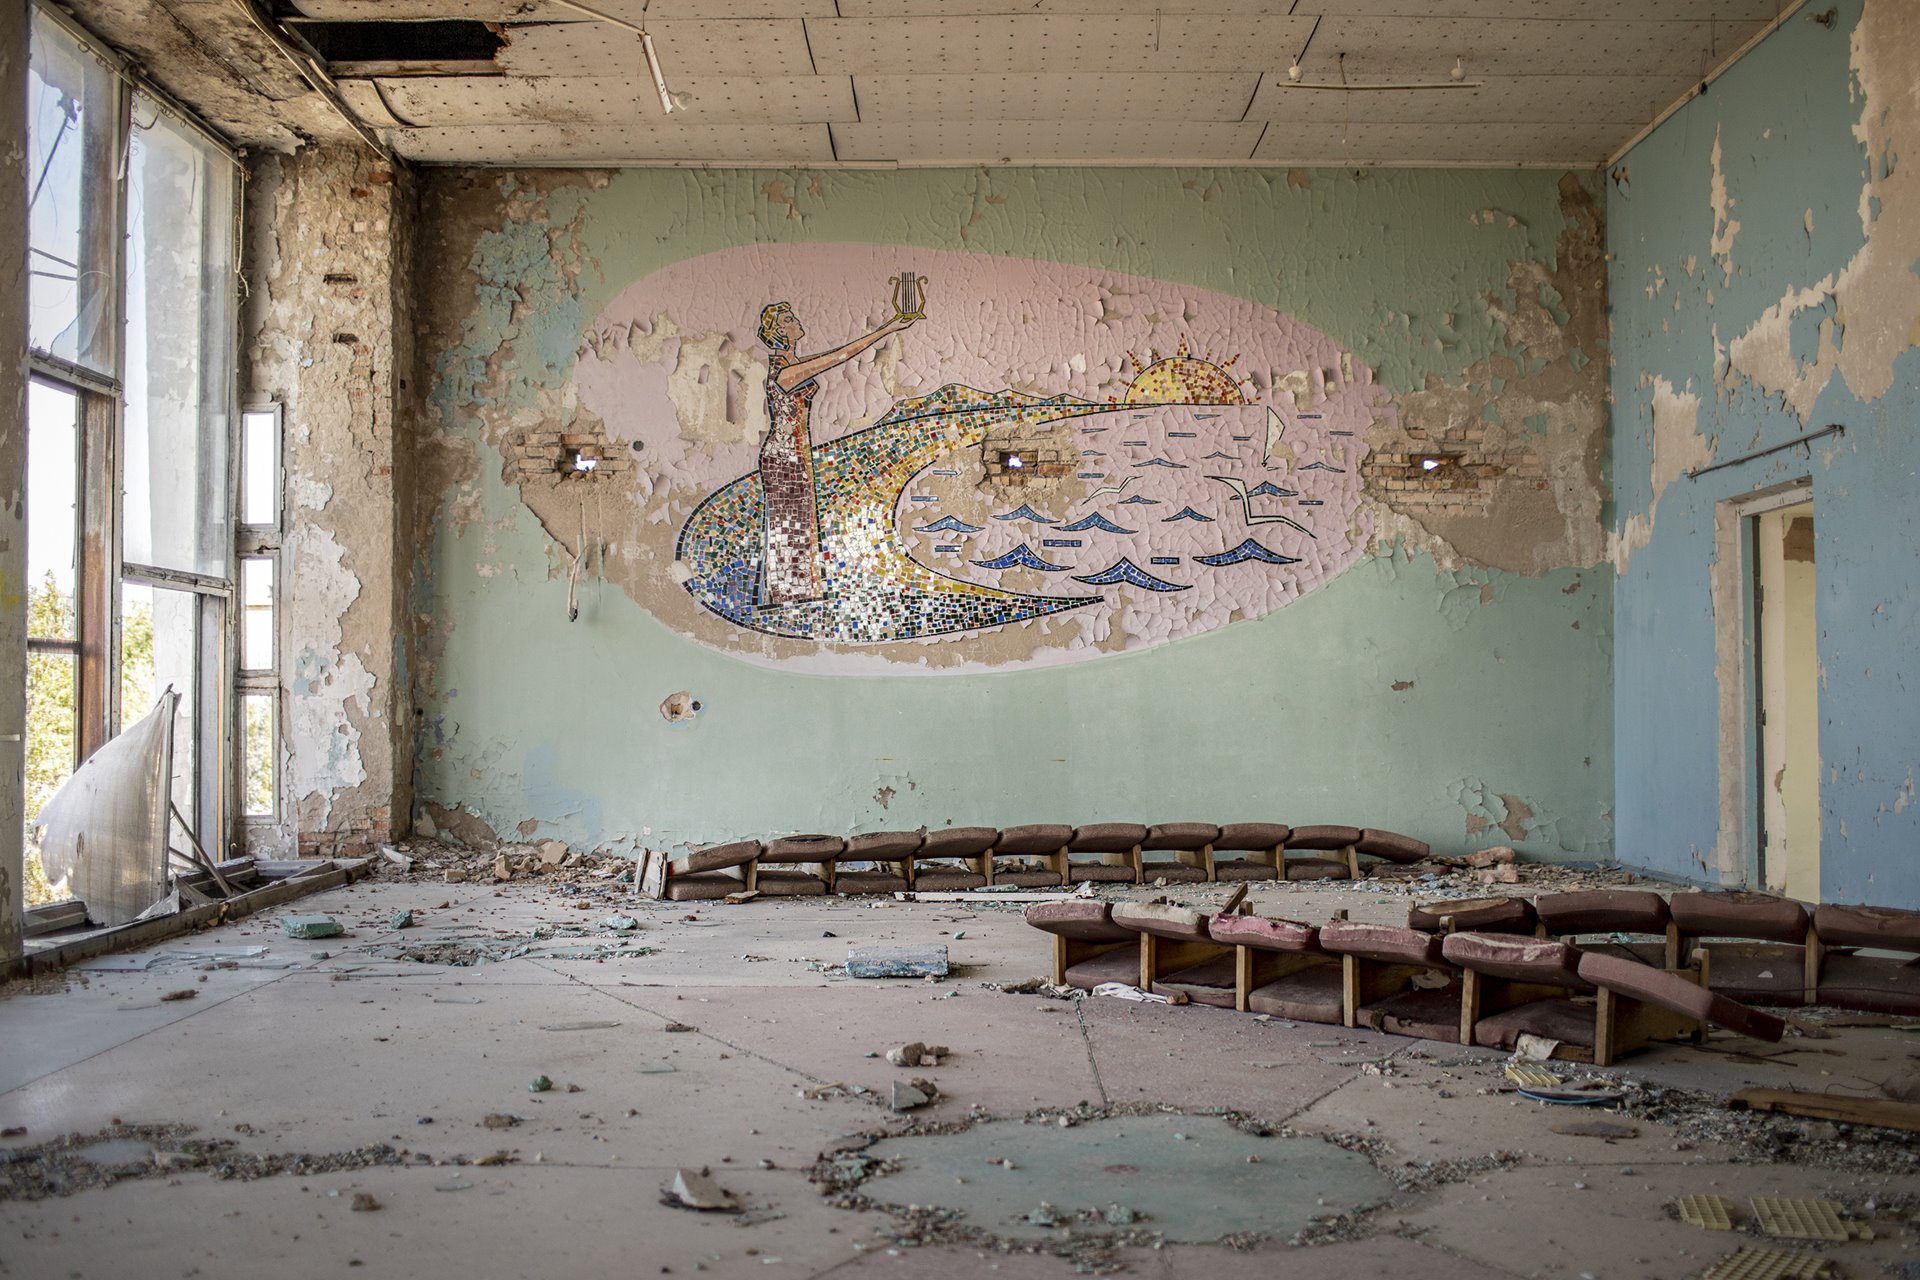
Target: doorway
x=1786, y=699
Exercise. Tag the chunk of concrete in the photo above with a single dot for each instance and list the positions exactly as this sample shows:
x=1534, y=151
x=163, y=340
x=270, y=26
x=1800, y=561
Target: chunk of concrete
x=311, y=926
x=906, y=1097
x=897, y=962
x=695, y=1189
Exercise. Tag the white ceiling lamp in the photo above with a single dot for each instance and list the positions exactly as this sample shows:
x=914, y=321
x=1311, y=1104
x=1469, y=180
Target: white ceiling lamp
x=669, y=101
x=1456, y=79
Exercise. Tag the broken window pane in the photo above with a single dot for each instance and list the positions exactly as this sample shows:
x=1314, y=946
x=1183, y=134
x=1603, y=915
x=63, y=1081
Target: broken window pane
x=260, y=467
x=180, y=339
x=70, y=171
x=159, y=646
x=256, y=613
x=53, y=460
x=257, y=755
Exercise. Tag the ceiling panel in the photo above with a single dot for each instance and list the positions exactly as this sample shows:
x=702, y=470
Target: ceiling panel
x=609, y=145
x=1578, y=145
x=1093, y=96
x=1057, y=43
x=548, y=11
x=910, y=142
x=427, y=101
x=771, y=47
x=961, y=8
x=1598, y=99
x=1426, y=47
x=1610, y=10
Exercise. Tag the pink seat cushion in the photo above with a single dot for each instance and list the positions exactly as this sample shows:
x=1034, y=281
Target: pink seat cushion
x=1504, y=955
x=1083, y=920
x=1323, y=837
x=705, y=886
x=1311, y=995
x=803, y=849
x=1180, y=835
x=1563, y=1020
x=1098, y=873
x=1387, y=943
x=1317, y=869
x=1671, y=991
x=1242, y=869
x=1884, y=928
x=865, y=882
x=1211, y=982
x=1876, y=984
x=1122, y=965
x=959, y=842
x=1758, y=972
x=1392, y=846
x=1265, y=933
x=1739, y=915
x=1107, y=837
x=1479, y=915
x=1046, y=837
x=947, y=879
x=1603, y=911
x=1253, y=835
x=1163, y=920
x=1172, y=873
x=878, y=845
x=1426, y=1015
x=788, y=884
x=716, y=856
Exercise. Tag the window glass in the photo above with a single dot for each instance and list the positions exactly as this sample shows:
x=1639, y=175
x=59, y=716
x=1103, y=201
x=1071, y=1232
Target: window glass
x=256, y=613
x=260, y=467
x=70, y=126
x=256, y=724
x=53, y=460
x=160, y=646
x=180, y=340
x=52, y=738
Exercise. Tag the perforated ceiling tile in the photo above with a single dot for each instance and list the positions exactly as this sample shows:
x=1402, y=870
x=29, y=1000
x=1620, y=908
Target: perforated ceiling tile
x=547, y=11
x=1003, y=44
x=429, y=101
x=1502, y=100
x=1426, y=47
x=1093, y=96
x=1613, y=10
x=1575, y=145
x=991, y=141
x=607, y=145
x=957, y=8
x=774, y=47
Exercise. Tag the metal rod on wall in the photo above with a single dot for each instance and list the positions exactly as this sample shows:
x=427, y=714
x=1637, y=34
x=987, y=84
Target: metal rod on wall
x=1832, y=428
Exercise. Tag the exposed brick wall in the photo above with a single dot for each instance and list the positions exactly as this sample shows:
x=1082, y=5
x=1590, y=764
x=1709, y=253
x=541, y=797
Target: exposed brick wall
x=1465, y=479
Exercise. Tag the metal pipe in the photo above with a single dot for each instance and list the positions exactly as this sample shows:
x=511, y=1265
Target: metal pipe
x=1833, y=428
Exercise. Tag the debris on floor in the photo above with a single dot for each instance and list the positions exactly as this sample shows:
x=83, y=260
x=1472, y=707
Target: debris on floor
x=695, y=1189
x=311, y=926
x=897, y=962
x=916, y=1054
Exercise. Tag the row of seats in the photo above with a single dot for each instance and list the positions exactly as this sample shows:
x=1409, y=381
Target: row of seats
x=1041, y=856
x=1467, y=987
x=1763, y=949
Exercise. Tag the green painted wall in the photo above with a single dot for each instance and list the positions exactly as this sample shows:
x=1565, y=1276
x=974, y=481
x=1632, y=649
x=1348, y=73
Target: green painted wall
x=1440, y=701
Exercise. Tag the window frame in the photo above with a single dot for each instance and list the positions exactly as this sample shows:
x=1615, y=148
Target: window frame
x=262, y=542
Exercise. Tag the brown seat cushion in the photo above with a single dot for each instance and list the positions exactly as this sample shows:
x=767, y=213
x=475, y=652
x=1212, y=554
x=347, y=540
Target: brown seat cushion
x=714, y=857
x=945, y=879
x=959, y=842
x=803, y=849
x=1311, y=995
x=1571, y=1022
x=1758, y=972
x=1242, y=869
x=1121, y=965
x=1884, y=928
x=1671, y=991
x=1603, y=911
x=1739, y=914
x=879, y=845
x=865, y=882
x=1323, y=837
x=1045, y=837
x=1264, y=933
x=1644, y=951
x=1180, y=835
x=1211, y=982
x=1426, y=1015
x=1478, y=915
x=1099, y=873
x=1162, y=919
x=1172, y=873
x=1503, y=955
x=1083, y=920
x=1026, y=877
x=1392, y=846
x=1253, y=835
x=1876, y=984
x=1107, y=837
x=702, y=886
x=788, y=884
x=1317, y=869
x=1388, y=943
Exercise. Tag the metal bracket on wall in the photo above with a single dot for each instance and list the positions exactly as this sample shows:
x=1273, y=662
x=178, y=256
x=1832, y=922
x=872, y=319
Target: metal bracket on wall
x=1832, y=428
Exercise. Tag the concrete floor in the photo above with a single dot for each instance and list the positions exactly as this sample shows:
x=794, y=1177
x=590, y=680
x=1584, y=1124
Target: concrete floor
x=325, y=1048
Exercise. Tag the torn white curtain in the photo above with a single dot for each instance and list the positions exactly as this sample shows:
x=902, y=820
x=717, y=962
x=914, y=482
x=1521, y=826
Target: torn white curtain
x=106, y=829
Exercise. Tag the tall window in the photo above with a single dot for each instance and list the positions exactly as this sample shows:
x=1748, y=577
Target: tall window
x=132, y=251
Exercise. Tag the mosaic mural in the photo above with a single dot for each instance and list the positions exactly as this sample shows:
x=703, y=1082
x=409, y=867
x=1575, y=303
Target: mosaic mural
x=975, y=462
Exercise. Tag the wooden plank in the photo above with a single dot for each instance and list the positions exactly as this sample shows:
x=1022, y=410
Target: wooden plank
x=1059, y=960
x=1881, y=1113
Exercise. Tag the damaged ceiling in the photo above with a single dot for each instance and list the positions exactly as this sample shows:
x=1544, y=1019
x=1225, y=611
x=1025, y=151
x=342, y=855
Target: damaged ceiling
x=1554, y=83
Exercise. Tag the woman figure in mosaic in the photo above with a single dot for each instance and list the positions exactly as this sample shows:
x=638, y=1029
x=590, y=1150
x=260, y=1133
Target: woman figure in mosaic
x=791, y=568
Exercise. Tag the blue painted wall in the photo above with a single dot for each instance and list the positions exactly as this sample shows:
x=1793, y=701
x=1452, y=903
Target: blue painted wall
x=1814, y=214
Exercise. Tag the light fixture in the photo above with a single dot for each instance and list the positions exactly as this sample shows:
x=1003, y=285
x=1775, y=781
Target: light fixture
x=1459, y=71
x=1431, y=464
x=669, y=101
x=1293, y=73
x=653, y=66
